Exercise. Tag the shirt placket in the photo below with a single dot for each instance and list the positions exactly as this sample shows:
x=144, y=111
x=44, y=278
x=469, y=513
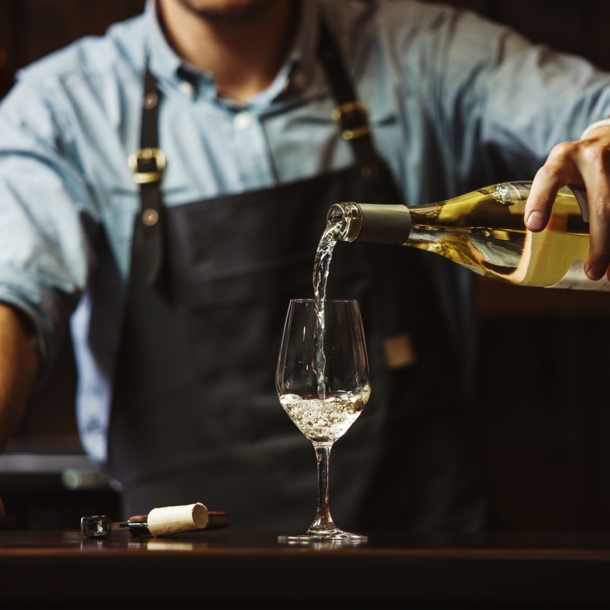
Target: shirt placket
x=251, y=151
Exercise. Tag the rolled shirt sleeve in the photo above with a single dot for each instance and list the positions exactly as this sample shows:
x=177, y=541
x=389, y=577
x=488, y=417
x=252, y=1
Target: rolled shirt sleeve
x=480, y=102
x=46, y=216
x=508, y=102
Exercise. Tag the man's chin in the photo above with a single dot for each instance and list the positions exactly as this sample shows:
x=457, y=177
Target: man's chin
x=228, y=10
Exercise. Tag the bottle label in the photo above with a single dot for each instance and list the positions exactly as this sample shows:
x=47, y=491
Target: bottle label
x=575, y=279
x=473, y=269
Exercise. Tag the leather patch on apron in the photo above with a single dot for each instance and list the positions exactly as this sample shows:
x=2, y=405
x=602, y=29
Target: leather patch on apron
x=399, y=351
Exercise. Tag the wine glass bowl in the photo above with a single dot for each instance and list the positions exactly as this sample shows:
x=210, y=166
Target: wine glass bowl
x=323, y=391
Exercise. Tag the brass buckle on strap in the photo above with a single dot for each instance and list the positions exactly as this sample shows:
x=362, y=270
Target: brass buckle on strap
x=353, y=118
x=144, y=158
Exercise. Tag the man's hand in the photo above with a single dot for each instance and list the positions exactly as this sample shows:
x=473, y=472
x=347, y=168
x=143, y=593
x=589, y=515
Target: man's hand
x=585, y=163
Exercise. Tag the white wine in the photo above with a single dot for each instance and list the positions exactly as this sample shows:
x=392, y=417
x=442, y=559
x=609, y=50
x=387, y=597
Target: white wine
x=324, y=421
x=485, y=231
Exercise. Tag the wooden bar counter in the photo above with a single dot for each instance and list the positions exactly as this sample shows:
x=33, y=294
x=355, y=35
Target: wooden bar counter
x=241, y=569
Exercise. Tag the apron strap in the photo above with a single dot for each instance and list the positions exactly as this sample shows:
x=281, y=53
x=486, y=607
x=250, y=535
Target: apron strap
x=352, y=117
x=148, y=165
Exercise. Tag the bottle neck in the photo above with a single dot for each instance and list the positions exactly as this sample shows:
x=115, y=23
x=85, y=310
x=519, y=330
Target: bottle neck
x=382, y=224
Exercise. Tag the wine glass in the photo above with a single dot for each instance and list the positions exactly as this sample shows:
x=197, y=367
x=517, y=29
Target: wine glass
x=323, y=390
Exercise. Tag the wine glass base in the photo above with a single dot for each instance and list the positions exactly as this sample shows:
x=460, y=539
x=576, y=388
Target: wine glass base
x=334, y=537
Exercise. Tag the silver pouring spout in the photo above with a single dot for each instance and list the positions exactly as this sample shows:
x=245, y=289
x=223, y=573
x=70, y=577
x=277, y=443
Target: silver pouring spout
x=381, y=224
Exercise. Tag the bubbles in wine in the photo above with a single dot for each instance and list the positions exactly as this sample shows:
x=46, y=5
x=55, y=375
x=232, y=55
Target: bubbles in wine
x=325, y=420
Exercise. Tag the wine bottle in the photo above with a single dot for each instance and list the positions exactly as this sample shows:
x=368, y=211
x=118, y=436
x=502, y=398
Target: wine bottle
x=484, y=231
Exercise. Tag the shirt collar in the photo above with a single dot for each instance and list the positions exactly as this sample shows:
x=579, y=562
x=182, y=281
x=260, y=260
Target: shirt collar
x=163, y=61
x=297, y=72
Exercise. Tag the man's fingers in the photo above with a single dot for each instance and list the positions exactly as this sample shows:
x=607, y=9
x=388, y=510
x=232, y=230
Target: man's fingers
x=558, y=171
x=593, y=161
x=583, y=163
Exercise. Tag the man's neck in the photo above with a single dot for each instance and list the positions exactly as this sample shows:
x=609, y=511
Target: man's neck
x=243, y=56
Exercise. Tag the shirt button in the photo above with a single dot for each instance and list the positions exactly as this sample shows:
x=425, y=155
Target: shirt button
x=186, y=88
x=150, y=216
x=242, y=120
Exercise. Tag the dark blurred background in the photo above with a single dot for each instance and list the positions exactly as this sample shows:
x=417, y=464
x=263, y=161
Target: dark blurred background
x=541, y=415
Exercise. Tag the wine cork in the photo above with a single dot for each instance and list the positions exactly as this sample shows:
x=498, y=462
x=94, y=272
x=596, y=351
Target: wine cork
x=176, y=519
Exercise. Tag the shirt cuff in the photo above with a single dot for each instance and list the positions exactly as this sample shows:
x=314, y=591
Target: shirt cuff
x=601, y=123
x=45, y=312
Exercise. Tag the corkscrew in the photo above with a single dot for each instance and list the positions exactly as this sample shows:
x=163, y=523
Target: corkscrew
x=159, y=522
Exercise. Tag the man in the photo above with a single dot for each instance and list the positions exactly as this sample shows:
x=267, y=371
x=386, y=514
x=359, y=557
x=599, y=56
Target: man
x=176, y=316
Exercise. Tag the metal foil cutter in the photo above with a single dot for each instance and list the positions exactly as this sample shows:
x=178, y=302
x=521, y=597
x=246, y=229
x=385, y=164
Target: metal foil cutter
x=100, y=526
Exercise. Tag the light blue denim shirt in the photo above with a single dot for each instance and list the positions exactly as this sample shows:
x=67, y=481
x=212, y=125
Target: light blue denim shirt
x=455, y=102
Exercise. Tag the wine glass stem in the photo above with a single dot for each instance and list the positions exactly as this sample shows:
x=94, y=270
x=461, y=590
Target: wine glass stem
x=323, y=520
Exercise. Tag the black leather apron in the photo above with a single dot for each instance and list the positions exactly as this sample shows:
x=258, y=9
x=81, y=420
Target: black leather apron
x=195, y=415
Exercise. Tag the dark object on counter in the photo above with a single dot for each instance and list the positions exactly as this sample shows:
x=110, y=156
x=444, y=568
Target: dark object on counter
x=49, y=484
